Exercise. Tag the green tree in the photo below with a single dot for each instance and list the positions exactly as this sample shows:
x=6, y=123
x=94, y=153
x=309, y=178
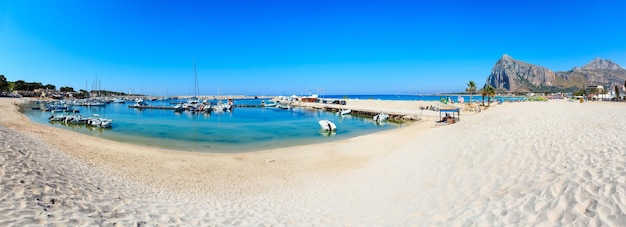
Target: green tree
x=4, y=85
x=491, y=93
x=483, y=93
x=66, y=89
x=50, y=87
x=471, y=89
x=617, y=92
x=19, y=85
x=34, y=85
x=580, y=92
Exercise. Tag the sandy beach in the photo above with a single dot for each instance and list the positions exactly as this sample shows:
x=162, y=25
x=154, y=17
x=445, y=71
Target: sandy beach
x=532, y=163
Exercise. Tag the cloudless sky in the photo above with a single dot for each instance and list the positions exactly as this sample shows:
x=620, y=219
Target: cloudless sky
x=289, y=47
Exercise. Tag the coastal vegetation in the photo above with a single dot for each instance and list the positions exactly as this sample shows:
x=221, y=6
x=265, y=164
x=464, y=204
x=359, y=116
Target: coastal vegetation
x=538, y=99
x=580, y=92
x=36, y=88
x=4, y=85
x=471, y=89
x=489, y=92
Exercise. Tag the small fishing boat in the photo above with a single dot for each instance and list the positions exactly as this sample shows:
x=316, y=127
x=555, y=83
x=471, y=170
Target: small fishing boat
x=284, y=107
x=178, y=108
x=272, y=104
x=381, y=117
x=344, y=112
x=97, y=121
x=140, y=103
x=75, y=119
x=327, y=125
x=58, y=117
x=119, y=100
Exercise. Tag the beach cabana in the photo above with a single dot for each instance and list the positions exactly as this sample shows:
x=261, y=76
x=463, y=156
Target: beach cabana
x=450, y=118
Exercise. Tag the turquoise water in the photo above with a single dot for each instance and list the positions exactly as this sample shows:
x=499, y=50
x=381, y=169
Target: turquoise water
x=243, y=129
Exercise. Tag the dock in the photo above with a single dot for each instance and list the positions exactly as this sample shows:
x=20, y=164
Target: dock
x=173, y=108
x=153, y=107
x=394, y=115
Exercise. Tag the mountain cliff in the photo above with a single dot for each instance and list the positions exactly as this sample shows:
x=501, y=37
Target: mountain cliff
x=513, y=75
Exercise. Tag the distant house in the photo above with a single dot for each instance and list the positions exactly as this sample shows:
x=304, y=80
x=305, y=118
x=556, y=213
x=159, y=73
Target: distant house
x=594, y=92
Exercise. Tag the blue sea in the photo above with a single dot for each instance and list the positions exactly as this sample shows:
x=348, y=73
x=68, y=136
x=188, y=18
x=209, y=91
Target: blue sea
x=241, y=130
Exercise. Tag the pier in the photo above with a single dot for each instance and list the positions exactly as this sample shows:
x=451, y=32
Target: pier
x=397, y=115
x=173, y=108
x=153, y=107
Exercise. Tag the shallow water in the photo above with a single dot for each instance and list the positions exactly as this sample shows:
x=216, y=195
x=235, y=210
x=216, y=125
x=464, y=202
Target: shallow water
x=243, y=129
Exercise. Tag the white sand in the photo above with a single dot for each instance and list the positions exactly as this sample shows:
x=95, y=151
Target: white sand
x=523, y=164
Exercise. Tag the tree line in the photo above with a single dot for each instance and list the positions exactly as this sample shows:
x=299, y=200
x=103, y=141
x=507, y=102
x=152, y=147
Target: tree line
x=21, y=85
x=487, y=91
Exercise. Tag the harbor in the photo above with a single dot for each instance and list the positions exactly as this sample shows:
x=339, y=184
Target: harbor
x=206, y=127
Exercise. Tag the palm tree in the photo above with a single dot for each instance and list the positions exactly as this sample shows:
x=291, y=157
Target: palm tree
x=483, y=93
x=471, y=89
x=491, y=93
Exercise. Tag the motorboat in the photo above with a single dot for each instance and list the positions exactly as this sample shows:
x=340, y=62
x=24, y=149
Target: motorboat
x=381, y=117
x=284, y=107
x=344, y=112
x=76, y=119
x=272, y=104
x=327, y=125
x=99, y=122
x=140, y=103
x=179, y=108
x=58, y=117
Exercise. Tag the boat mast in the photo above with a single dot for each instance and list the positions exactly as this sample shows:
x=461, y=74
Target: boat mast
x=196, y=88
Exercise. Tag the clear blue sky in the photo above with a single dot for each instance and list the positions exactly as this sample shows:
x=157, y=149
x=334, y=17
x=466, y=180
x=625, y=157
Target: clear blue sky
x=289, y=47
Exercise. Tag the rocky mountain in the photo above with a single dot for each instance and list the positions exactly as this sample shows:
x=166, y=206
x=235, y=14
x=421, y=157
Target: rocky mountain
x=513, y=75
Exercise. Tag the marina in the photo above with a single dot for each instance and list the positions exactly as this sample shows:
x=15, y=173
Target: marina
x=247, y=125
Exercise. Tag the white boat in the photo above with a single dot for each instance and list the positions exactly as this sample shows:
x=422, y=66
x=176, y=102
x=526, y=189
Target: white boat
x=327, y=125
x=140, y=102
x=223, y=107
x=58, y=117
x=381, y=117
x=76, y=119
x=99, y=122
x=344, y=112
x=284, y=107
x=271, y=104
x=179, y=108
x=192, y=104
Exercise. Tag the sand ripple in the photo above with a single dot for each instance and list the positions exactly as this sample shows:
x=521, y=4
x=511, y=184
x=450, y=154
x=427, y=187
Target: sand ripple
x=528, y=164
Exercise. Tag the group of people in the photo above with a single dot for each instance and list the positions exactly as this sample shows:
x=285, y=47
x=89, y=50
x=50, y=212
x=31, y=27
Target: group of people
x=431, y=107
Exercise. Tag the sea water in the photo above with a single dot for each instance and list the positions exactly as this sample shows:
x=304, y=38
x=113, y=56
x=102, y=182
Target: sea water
x=241, y=130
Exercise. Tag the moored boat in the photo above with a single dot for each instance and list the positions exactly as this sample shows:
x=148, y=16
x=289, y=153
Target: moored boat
x=344, y=112
x=327, y=125
x=272, y=104
x=381, y=117
x=99, y=122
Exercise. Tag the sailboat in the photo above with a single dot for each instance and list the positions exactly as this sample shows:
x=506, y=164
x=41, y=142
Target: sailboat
x=193, y=103
x=220, y=106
